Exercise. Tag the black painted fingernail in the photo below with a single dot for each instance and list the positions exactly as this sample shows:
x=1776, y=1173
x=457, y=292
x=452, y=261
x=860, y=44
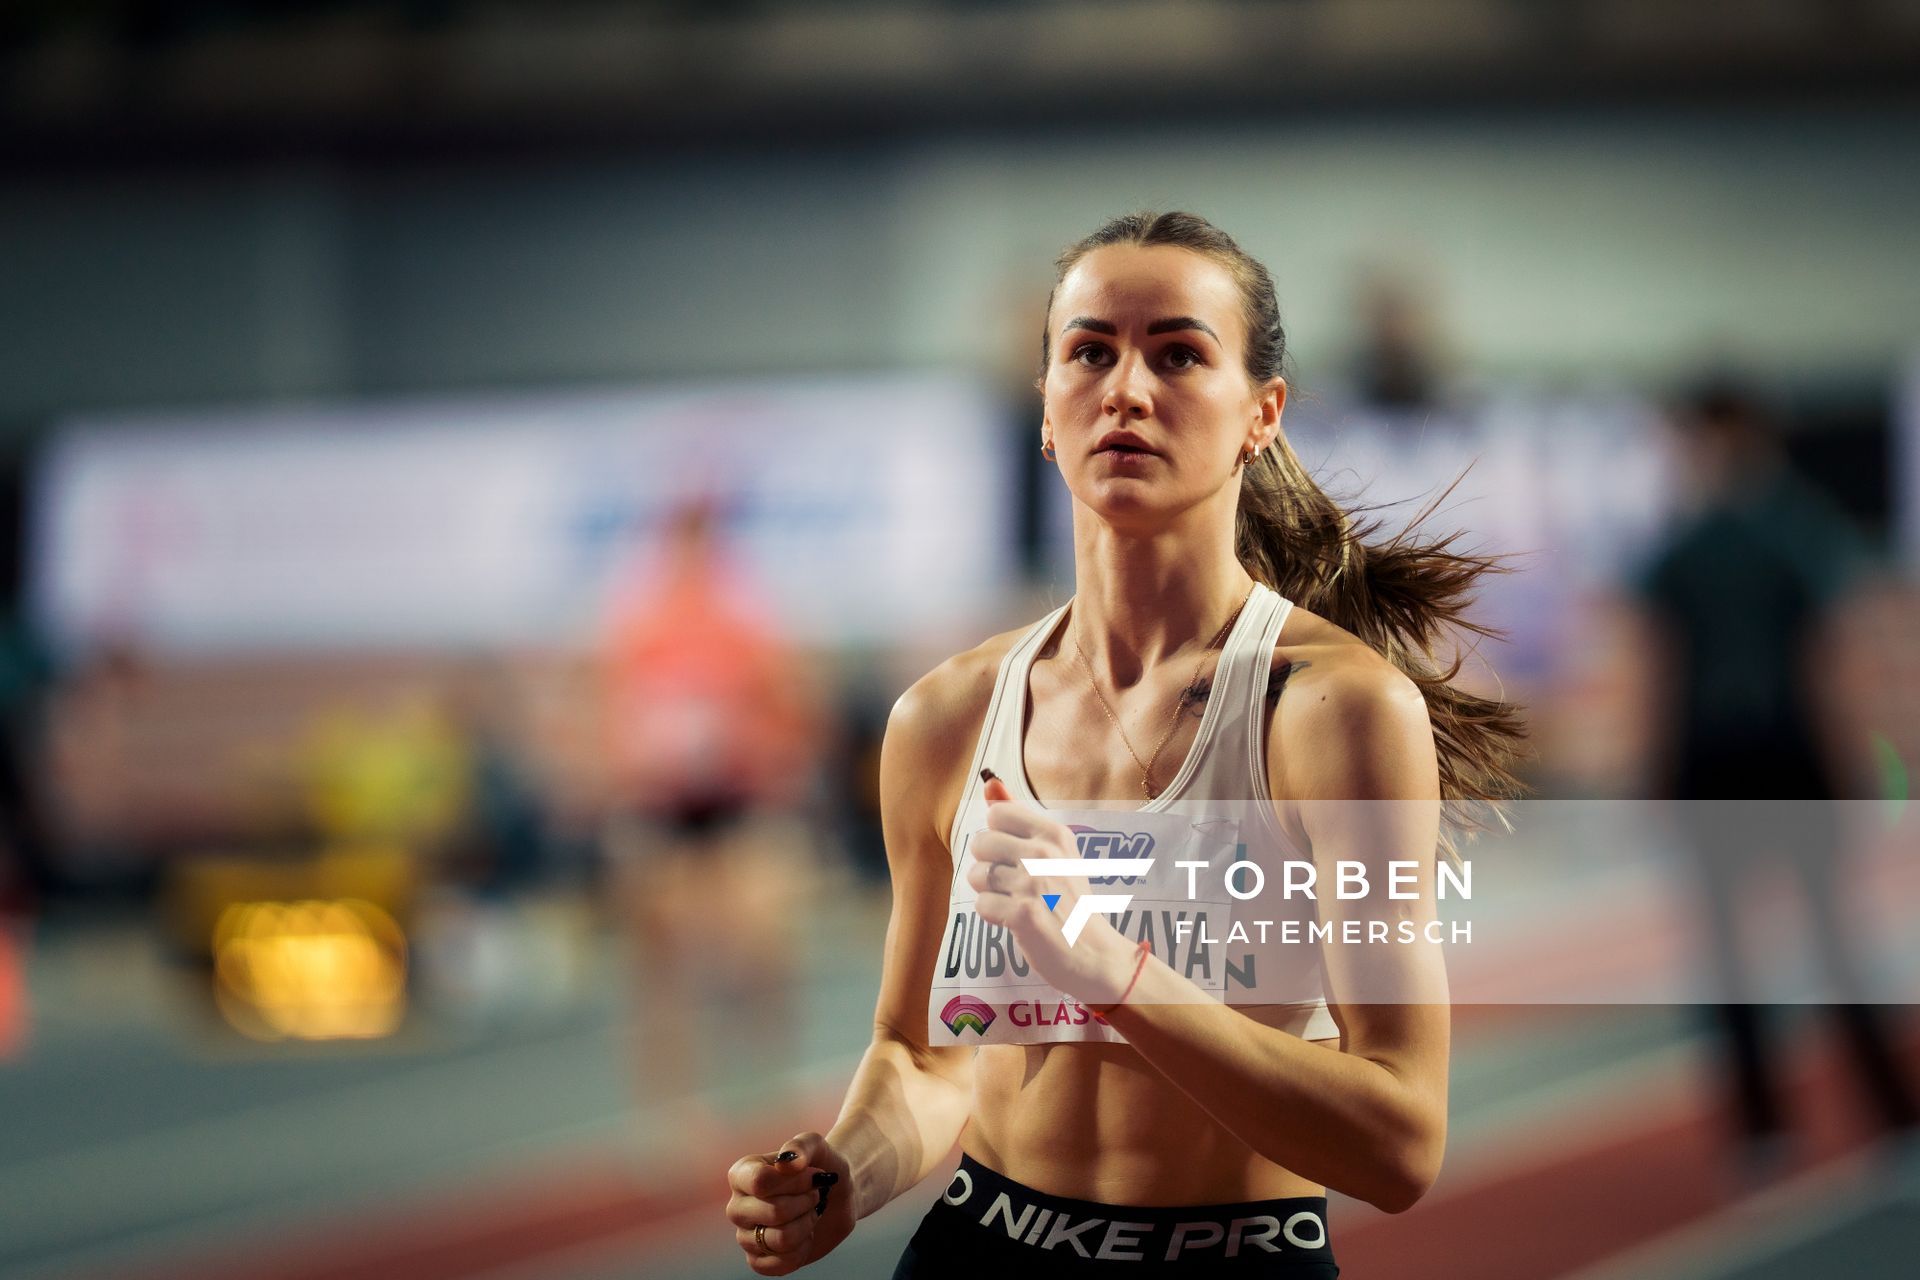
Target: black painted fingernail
x=988, y=775
x=786, y=1156
x=824, y=1181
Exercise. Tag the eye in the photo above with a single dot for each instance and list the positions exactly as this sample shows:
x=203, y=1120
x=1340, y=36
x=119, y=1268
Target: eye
x=1094, y=354
x=1179, y=355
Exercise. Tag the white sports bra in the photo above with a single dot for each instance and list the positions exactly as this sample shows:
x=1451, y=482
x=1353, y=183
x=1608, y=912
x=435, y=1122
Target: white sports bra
x=1218, y=809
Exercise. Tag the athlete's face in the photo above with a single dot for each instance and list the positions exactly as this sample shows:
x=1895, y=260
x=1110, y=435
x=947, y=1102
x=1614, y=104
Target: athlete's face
x=1147, y=399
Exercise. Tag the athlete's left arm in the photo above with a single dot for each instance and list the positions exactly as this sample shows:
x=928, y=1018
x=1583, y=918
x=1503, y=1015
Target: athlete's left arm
x=1355, y=751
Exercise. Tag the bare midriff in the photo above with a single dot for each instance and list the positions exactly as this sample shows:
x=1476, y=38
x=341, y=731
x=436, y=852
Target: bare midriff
x=1097, y=1122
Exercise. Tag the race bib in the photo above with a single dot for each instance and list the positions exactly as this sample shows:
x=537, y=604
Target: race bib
x=985, y=992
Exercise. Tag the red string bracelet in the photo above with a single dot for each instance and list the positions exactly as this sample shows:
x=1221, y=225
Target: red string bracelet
x=1144, y=950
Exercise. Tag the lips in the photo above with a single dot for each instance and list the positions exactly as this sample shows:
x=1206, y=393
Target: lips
x=1122, y=442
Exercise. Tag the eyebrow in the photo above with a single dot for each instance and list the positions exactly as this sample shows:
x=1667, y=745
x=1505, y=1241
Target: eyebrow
x=1172, y=324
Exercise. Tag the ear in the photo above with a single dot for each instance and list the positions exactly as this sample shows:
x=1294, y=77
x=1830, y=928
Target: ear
x=1268, y=405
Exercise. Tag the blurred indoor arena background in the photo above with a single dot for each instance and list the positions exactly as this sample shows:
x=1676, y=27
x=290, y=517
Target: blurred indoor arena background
x=427, y=425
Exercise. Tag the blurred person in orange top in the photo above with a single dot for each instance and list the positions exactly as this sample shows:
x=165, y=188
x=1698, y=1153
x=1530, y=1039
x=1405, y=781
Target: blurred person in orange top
x=711, y=724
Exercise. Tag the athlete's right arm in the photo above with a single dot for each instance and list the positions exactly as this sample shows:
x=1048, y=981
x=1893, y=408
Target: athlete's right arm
x=909, y=1101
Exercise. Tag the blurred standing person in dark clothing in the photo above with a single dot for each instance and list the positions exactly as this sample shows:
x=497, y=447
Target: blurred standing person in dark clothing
x=1398, y=365
x=26, y=868
x=1742, y=595
x=506, y=827
x=26, y=673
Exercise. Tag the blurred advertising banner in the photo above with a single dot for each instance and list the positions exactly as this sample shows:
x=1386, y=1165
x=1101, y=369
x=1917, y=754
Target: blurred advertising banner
x=870, y=509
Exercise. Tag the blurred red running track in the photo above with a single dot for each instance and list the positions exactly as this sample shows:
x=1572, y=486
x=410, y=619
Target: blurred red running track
x=1548, y=1205
x=1559, y=1205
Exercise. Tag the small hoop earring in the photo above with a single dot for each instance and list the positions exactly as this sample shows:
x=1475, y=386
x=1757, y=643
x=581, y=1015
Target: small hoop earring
x=1249, y=456
x=1046, y=449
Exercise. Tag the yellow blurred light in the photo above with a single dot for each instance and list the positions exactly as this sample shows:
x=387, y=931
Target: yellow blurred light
x=310, y=970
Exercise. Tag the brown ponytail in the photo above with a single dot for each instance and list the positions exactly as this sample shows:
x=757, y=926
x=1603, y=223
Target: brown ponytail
x=1401, y=595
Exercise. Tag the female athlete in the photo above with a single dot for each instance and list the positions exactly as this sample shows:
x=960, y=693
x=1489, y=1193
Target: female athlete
x=1189, y=1135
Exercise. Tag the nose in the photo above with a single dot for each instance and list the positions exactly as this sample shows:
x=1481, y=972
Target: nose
x=1126, y=395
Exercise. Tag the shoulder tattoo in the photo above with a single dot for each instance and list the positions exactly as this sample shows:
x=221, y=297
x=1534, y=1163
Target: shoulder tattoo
x=1277, y=682
x=1194, y=700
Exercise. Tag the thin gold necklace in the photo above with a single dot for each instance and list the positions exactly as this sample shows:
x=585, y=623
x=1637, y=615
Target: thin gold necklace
x=1146, y=769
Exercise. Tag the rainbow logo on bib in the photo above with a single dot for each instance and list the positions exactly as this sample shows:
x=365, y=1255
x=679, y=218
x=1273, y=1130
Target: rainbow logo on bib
x=967, y=1011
